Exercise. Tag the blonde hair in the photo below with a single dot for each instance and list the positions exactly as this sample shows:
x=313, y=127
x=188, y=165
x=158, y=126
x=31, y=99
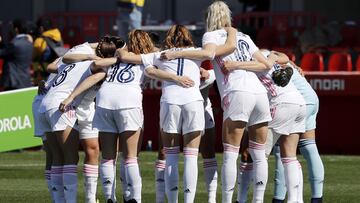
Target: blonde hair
x=140, y=42
x=218, y=16
x=178, y=36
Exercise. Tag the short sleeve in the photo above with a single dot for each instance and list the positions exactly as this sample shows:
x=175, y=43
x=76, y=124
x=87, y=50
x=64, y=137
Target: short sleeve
x=84, y=48
x=208, y=38
x=148, y=59
x=252, y=47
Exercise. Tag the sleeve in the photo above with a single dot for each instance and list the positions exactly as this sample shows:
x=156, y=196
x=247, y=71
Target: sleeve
x=252, y=47
x=208, y=38
x=84, y=48
x=148, y=59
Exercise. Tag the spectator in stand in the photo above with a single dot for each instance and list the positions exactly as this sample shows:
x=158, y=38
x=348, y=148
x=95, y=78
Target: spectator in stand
x=48, y=36
x=129, y=16
x=17, y=55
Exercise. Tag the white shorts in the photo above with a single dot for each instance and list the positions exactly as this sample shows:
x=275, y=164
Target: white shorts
x=85, y=116
x=247, y=107
x=209, y=115
x=53, y=120
x=288, y=118
x=38, y=131
x=182, y=119
x=118, y=121
x=311, y=113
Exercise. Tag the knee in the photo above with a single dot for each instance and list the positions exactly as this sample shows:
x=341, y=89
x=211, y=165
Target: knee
x=92, y=151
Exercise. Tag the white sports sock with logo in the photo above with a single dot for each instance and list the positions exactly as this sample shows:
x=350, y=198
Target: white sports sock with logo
x=70, y=183
x=211, y=176
x=107, y=175
x=91, y=173
x=228, y=171
x=133, y=178
x=260, y=168
x=57, y=184
x=190, y=173
x=291, y=169
x=160, y=181
x=172, y=173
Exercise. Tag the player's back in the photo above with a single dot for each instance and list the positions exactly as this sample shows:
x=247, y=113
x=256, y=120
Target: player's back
x=172, y=92
x=68, y=78
x=238, y=80
x=122, y=87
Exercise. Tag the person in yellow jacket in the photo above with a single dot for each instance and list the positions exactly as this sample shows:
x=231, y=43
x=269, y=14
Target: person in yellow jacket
x=42, y=50
x=129, y=16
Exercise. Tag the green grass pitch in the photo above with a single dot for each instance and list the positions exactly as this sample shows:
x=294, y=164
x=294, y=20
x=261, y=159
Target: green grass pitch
x=22, y=179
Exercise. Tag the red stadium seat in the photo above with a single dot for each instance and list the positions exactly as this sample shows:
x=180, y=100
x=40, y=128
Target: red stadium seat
x=358, y=64
x=312, y=62
x=340, y=62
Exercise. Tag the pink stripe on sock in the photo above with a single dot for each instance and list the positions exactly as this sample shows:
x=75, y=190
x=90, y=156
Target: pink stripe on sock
x=209, y=163
x=255, y=145
x=231, y=148
x=190, y=151
x=245, y=166
x=288, y=161
x=172, y=150
x=160, y=164
x=131, y=161
x=107, y=161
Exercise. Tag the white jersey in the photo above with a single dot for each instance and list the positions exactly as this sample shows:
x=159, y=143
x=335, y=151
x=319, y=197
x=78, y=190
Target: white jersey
x=171, y=92
x=84, y=48
x=237, y=80
x=122, y=87
x=69, y=77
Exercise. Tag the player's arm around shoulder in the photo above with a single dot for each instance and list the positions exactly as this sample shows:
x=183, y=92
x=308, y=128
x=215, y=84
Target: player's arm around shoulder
x=155, y=73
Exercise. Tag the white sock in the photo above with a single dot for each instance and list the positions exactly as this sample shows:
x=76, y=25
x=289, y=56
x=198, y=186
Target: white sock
x=190, y=173
x=260, y=168
x=57, y=184
x=124, y=184
x=301, y=185
x=291, y=169
x=48, y=183
x=107, y=176
x=172, y=173
x=133, y=178
x=70, y=183
x=211, y=175
x=91, y=173
x=245, y=177
x=160, y=181
x=228, y=171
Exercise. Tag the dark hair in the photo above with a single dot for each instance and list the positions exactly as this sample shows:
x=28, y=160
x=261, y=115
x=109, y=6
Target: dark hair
x=178, y=36
x=108, y=45
x=46, y=23
x=20, y=25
